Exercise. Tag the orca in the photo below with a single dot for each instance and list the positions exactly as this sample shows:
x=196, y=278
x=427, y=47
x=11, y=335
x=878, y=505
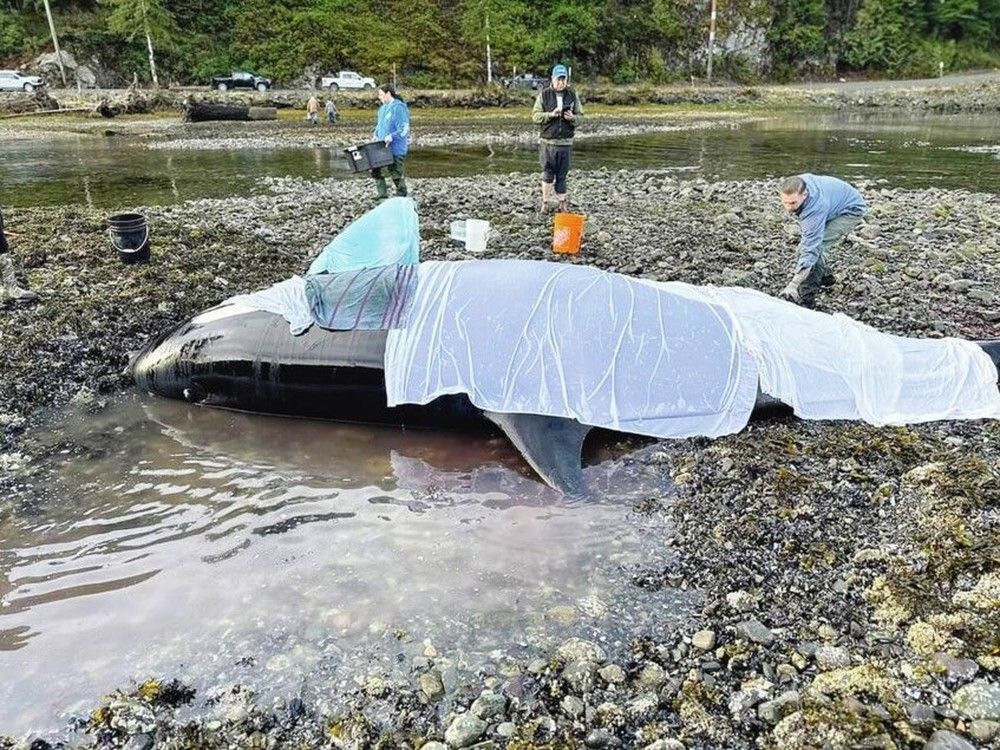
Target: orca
x=237, y=357
x=233, y=357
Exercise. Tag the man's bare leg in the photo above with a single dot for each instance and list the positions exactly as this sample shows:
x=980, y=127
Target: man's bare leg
x=546, y=196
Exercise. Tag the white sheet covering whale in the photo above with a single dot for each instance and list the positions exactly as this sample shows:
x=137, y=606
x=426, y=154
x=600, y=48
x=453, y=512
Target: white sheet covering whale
x=663, y=359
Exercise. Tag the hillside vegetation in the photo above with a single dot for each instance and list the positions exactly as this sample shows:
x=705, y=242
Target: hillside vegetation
x=433, y=44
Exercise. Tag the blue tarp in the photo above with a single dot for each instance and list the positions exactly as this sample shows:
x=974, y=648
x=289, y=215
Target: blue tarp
x=372, y=299
x=388, y=234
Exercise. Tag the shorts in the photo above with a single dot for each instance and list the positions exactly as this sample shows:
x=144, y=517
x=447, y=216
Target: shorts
x=555, y=164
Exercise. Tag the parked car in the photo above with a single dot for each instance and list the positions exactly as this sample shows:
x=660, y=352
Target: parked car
x=12, y=80
x=239, y=79
x=346, y=79
x=525, y=81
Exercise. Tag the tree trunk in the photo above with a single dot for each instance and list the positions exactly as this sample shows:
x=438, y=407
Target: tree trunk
x=204, y=111
x=55, y=42
x=152, y=62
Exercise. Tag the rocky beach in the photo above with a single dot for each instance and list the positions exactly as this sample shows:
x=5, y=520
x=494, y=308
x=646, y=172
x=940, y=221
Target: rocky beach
x=847, y=576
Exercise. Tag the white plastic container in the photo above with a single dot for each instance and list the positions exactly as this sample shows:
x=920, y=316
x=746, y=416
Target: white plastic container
x=473, y=232
x=477, y=232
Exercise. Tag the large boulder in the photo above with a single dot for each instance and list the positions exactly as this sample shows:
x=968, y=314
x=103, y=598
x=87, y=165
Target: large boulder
x=77, y=73
x=48, y=64
x=86, y=77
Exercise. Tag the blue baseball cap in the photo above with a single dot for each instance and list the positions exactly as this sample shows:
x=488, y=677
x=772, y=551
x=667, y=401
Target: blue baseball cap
x=559, y=71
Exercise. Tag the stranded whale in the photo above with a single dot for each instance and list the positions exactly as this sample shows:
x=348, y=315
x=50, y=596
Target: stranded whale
x=547, y=351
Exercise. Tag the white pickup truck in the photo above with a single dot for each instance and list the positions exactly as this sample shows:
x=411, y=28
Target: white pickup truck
x=347, y=79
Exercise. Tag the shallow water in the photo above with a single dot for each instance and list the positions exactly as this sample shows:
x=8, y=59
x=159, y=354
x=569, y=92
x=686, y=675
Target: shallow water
x=291, y=555
x=907, y=150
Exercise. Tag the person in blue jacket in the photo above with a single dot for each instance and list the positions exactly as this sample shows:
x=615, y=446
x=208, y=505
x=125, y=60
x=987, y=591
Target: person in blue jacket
x=829, y=209
x=393, y=127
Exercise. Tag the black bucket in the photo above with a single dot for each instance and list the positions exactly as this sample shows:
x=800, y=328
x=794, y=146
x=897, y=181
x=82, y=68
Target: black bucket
x=129, y=235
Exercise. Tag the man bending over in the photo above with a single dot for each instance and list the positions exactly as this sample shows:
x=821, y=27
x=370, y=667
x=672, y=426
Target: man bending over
x=829, y=209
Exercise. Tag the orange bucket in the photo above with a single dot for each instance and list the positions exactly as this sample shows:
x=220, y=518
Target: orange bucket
x=567, y=233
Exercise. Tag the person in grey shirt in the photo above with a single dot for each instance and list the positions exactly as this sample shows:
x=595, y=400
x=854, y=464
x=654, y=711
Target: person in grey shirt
x=829, y=209
x=557, y=110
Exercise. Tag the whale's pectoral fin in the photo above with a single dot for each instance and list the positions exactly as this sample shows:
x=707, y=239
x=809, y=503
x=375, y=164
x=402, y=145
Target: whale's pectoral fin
x=552, y=446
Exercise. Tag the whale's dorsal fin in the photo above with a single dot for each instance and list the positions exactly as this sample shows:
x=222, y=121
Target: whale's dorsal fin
x=552, y=446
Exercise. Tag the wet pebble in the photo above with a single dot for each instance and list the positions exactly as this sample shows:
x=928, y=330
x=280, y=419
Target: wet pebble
x=488, y=705
x=984, y=730
x=755, y=631
x=432, y=686
x=464, y=730
x=946, y=740
x=704, y=640
x=612, y=674
x=578, y=649
x=978, y=700
x=955, y=668
x=651, y=676
x=832, y=657
x=572, y=706
x=773, y=711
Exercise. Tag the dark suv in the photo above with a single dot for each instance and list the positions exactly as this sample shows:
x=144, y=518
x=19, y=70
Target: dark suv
x=525, y=81
x=239, y=79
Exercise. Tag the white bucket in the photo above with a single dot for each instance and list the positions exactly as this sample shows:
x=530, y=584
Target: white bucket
x=477, y=232
x=473, y=232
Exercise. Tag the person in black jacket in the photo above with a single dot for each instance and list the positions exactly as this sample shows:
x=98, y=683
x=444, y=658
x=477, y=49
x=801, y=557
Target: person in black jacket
x=557, y=110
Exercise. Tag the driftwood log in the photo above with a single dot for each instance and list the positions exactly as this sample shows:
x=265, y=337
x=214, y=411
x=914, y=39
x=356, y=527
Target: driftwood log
x=25, y=104
x=205, y=111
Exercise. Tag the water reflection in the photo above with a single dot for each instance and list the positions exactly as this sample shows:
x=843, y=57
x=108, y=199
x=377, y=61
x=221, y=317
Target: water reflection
x=213, y=545
x=910, y=150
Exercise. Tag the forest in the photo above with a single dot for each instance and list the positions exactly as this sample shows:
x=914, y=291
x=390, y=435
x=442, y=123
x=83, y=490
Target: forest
x=443, y=43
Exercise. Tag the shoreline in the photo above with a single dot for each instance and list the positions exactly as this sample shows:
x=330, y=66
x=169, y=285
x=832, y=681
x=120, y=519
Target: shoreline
x=434, y=128
x=849, y=573
x=978, y=92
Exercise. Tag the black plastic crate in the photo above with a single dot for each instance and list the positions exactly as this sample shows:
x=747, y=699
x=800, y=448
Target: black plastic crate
x=368, y=156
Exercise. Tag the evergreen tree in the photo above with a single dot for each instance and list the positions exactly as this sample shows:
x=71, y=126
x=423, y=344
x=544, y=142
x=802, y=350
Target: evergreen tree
x=149, y=18
x=885, y=34
x=512, y=30
x=977, y=21
x=443, y=42
x=796, y=34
